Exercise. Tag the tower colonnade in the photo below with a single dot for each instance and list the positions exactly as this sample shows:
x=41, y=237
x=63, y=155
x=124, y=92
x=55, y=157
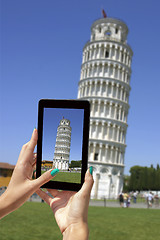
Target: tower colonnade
x=105, y=109
x=109, y=70
x=107, y=131
x=114, y=51
x=105, y=82
x=103, y=88
x=108, y=153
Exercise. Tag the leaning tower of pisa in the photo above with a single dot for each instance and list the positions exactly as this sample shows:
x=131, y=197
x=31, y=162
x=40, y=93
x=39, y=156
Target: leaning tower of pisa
x=62, y=147
x=105, y=82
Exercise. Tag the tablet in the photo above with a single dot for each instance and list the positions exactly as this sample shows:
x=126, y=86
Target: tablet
x=63, y=132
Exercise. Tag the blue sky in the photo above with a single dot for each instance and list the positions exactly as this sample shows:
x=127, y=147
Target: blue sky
x=41, y=53
x=51, y=120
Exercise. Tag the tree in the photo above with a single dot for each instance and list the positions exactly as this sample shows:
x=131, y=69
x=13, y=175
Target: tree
x=74, y=164
x=126, y=180
x=157, y=179
x=134, y=179
x=144, y=178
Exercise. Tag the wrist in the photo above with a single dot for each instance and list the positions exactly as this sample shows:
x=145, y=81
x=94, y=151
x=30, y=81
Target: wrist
x=76, y=231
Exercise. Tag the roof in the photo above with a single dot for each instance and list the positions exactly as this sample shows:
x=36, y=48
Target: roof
x=6, y=166
x=110, y=20
x=44, y=161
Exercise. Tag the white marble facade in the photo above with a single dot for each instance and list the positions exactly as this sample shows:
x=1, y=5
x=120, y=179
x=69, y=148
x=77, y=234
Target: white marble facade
x=62, y=147
x=105, y=82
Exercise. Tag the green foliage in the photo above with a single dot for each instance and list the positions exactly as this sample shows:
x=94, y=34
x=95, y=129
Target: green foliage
x=35, y=221
x=75, y=164
x=126, y=180
x=144, y=178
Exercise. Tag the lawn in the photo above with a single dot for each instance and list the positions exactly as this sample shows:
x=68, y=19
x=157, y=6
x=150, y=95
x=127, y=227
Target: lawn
x=35, y=221
x=70, y=177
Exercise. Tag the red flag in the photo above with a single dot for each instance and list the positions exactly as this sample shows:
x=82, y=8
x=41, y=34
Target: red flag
x=104, y=14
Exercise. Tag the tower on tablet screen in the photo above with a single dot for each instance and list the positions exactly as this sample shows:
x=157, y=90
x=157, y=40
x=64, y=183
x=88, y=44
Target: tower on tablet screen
x=62, y=147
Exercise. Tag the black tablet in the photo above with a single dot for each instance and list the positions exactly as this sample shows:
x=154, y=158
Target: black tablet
x=63, y=132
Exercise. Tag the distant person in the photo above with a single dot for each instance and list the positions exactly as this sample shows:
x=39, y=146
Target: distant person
x=70, y=208
x=125, y=198
x=149, y=199
x=135, y=197
x=121, y=199
x=128, y=201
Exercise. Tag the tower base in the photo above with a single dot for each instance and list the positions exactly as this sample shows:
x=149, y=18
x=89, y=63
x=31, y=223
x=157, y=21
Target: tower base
x=108, y=180
x=61, y=164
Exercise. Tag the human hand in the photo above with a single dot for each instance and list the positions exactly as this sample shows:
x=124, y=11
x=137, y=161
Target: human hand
x=71, y=209
x=21, y=185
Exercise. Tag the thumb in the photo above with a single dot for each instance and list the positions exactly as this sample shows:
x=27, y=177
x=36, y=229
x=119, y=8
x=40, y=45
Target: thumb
x=87, y=185
x=45, y=177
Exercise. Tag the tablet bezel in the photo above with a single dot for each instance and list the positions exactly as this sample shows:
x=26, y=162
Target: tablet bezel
x=68, y=104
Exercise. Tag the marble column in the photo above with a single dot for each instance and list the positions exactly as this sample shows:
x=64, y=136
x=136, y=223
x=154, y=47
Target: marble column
x=96, y=185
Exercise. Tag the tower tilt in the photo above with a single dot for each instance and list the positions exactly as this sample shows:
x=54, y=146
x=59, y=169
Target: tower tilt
x=105, y=82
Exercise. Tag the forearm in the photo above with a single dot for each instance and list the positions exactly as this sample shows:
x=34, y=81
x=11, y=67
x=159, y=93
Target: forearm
x=77, y=231
x=8, y=203
x=4, y=205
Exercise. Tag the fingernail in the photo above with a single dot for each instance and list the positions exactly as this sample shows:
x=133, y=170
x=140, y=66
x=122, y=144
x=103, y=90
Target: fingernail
x=33, y=131
x=91, y=170
x=54, y=172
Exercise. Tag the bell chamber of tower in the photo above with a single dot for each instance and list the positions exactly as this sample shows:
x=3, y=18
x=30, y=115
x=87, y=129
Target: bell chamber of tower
x=105, y=82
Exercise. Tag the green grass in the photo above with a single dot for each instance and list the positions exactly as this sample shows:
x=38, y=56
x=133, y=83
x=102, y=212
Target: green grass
x=70, y=177
x=120, y=224
x=35, y=221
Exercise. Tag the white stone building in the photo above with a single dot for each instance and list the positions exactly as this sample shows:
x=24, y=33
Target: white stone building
x=105, y=82
x=62, y=147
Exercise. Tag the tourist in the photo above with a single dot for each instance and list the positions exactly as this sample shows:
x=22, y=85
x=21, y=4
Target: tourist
x=125, y=197
x=135, y=197
x=149, y=200
x=128, y=201
x=71, y=206
x=121, y=199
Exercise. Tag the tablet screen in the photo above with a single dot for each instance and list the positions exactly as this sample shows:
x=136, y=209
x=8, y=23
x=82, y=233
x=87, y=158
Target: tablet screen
x=63, y=132
x=62, y=143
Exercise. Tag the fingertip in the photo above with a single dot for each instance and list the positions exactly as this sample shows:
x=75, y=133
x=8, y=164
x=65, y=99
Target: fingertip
x=33, y=142
x=89, y=177
x=54, y=172
x=91, y=170
x=35, y=134
x=87, y=185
